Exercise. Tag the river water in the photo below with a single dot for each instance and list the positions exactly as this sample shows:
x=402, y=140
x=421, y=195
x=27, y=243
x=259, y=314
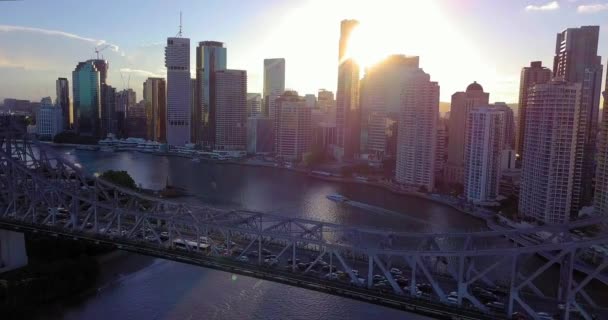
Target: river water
x=137, y=287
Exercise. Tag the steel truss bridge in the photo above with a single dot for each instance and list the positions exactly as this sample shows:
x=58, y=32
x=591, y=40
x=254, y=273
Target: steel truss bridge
x=453, y=275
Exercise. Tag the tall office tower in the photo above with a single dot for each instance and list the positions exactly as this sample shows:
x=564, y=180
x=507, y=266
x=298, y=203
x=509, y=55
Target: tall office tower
x=125, y=99
x=62, y=87
x=177, y=61
x=311, y=101
x=534, y=74
x=49, y=119
x=380, y=101
x=294, y=128
x=86, y=89
x=210, y=57
x=254, y=104
x=260, y=135
x=485, y=140
x=231, y=113
x=550, y=145
x=195, y=130
x=417, y=134
x=136, y=120
x=109, y=119
x=348, y=114
x=440, y=151
x=325, y=100
x=156, y=109
x=576, y=60
x=601, y=177
x=274, y=84
x=509, y=123
x=462, y=103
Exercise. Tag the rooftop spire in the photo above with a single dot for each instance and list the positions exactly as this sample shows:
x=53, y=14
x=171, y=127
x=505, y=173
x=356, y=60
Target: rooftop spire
x=179, y=34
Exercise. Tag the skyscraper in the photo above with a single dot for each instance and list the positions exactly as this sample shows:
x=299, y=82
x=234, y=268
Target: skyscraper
x=210, y=57
x=462, y=103
x=325, y=100
x=576, y=60
x=156, y=109
x=294, y=128
x=231, y=110
x=274, y=84
x=509, y=123
x=49, y=119
x=550, y=145
x=601, y=177
x=380, y=100
x=534, y=74
x=177, y=61
x=417, y=134
x=348, y=114
x=62, y=87
x=109, y=120
x=254, y=104
x=125, y=99
x=86, y=88
x=485, y=141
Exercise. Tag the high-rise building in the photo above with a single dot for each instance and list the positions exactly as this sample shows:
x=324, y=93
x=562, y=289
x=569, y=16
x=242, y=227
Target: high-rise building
x=211, y=56
x=348, y=114
x=311, y=101
x=550, y=145
x=136, y=120
x=441, y=148
x=601, y=177
x=534, y=74
x=195, y=130
x=254, y=104
x=49, y=119
x=109, y=119
x=576, y=60
x=260, y=135
x=380, y=99
x=417, y=134
x=485, y=141
x=274, y=84
x=509, y=123
x=325, y=100
x=156, y=109
x=125, y=99
x=231, y=110
x=62, y=87
x=462, y=103
x=177, y=61
x=294, y=131
x=86, y=88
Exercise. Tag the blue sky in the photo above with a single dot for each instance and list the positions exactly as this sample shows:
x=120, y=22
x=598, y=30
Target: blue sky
x=459, y=41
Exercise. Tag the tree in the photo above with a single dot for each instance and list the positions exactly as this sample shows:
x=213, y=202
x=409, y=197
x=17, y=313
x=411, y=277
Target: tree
x=120, y=178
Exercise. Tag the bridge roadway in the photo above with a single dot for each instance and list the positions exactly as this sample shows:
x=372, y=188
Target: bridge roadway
x=42, y=192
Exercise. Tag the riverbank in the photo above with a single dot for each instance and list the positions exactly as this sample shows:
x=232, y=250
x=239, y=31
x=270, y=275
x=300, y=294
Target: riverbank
x=446, y=200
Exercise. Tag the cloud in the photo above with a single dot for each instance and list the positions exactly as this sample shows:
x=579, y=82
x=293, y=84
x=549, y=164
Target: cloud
x=140, y=72
x=550, y=6
x=592, y=8
x=96, y=42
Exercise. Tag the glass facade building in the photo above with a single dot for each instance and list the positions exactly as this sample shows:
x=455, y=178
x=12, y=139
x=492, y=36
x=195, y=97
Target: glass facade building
x=87, y=102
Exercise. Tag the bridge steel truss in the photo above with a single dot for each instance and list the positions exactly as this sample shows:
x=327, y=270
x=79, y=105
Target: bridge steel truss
x=41, y=190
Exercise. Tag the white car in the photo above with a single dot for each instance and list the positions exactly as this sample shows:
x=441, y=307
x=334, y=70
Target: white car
x=243, y=259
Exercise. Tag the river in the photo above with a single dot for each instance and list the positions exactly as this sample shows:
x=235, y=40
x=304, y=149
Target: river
x=137, y=287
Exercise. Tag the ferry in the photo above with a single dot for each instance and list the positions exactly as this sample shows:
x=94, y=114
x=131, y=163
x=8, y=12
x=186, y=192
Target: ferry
x=337, y=198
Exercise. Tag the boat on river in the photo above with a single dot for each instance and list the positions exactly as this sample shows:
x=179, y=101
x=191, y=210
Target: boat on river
x=337, y=197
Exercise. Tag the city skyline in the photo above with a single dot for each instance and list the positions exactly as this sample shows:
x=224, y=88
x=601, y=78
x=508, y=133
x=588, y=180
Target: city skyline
x=136, y=52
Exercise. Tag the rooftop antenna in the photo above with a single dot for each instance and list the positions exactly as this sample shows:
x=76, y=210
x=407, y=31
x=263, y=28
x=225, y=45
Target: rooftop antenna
x=179, y=34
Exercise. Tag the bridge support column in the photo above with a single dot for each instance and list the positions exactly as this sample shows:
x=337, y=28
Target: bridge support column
x=13, y=254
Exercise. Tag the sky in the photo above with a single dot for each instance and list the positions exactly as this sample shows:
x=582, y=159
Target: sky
x=458, y=41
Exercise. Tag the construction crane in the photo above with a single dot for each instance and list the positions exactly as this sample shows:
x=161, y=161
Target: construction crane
x=100, y=48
